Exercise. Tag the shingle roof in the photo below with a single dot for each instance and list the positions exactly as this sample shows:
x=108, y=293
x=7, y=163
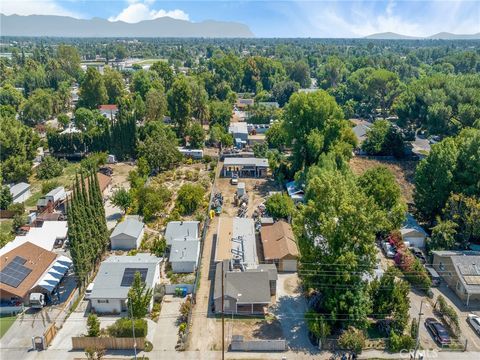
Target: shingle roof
x=107, y=284
x=182, y=230
x=278, y=241
x=468, y=270
x=37, y=259
x=131, y=226
x=410, y=225
x=184, y=251
x=246, y=287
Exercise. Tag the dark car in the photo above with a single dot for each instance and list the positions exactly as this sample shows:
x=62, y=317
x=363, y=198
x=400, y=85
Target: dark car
x=438, y=331
x=419, y=255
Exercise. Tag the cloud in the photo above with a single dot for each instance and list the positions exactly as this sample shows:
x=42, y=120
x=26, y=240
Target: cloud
x=138, y=11
x=32, y=7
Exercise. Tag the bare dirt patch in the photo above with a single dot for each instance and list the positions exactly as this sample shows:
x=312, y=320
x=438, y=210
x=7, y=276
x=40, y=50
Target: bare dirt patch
x=403, y=171
x=120, y=174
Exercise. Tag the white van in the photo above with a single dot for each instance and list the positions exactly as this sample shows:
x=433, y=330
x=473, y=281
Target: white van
x=88, y=291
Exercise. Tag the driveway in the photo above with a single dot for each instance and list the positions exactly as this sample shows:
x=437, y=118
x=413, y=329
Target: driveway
x=290, y=309
x=165, y=336
x=426, y=340
x=112, y=213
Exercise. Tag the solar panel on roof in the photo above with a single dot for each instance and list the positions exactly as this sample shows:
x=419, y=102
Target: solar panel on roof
x=19, y=260
x=129, y=274
x=14, y=273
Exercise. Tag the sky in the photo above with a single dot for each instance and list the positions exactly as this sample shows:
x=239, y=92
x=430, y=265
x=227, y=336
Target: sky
x=279, y=18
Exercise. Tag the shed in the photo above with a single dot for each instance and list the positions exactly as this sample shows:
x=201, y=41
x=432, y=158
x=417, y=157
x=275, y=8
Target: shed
x=20, y=192
x=279, y=246
x=128, y=234
x=182, y=230
x=184, y=255
x=413, y=233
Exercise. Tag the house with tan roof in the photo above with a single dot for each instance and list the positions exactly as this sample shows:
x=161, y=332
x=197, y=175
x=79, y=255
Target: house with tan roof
x=279, y=246
x=22, y=269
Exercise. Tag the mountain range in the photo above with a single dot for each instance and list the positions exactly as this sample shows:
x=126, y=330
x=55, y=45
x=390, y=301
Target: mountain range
x=64, y=26
x=439, y=36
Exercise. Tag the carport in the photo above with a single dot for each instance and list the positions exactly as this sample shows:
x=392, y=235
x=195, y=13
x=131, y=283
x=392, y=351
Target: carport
x=52, y=278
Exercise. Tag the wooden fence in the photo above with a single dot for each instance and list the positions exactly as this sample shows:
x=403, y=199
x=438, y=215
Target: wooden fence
x=107, y=343
x=49, y=334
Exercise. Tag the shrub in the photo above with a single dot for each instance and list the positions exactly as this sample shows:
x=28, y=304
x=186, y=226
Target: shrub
x=352, y=339
x=185, y=308
x=48, y=186
x=397, y=343
x=123, y=328
x=448, y=314
x=189, y=198
x=148, y=346
x=182, y=328
x=50, y=168
x=93, y=325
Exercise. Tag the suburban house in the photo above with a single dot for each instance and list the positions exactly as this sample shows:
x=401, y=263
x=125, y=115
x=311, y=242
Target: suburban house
x=20, y=192
x=182, y=230
x=360, y=129
x=115, y=277
x=271, y=269
x=52, y=199
x=25, y=269
x=109, y=111
x=128, y=234
x=239, y=131
x=244, y=103
x=236, y=241
x=413, y=233
x=191, y=153
x=245, y=167
x=279, y=246
x=244, y=292
x=461, y=271
x=184, y=255
x=296, y=193
x=50, y=235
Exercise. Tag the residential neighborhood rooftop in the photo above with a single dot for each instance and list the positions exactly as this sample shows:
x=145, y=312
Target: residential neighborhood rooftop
x=184, y=251
x=131, y=226
x=258, y=162
x=278, y=241
x=184, y=230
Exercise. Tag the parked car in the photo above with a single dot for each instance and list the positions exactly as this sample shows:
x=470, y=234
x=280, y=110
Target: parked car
x=88, y=291
x=432, y=273
x=438, y=331
x=234, y=180
x=474, y=320
x=419, y=254
x=389, y=250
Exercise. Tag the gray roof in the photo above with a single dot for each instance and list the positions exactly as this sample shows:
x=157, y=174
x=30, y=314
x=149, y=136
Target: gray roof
x=468, y=271
x=246, y=287
x=56, y=191
x=270, y=268
x=19, y=189
x=410, y=225
x=243, y=241
x=259, y=162
x=107, y=284
x=184, y=251
x=182, y=230
x=131, y=226
x=238, y=128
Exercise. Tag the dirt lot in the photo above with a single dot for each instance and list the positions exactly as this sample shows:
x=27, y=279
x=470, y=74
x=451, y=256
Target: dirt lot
x=404, y=172
x=120, y=174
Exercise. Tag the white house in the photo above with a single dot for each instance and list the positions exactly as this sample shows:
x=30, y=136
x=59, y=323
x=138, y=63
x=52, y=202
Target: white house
x=114, y=280
x=109, y=111
x=182, y=230
x=184, y=255
x=128, y=234
x=20, y=192
x=413, y=233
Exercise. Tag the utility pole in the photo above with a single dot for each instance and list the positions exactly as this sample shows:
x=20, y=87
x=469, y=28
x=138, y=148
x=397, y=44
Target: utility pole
x=223, y=317
x=133, y=331
x=417, y=343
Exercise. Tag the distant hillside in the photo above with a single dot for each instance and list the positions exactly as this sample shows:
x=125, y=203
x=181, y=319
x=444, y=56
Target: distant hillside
x=64, y=26
x=389, y=36
x=439, y=36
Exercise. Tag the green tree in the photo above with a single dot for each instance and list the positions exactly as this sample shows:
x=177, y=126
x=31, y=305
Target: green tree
x=179, y=103
x=139, y=109
x=155, y=104
x=443, y=235
x=383, y=86
x=220, y=113
x=113, y=84
x=196, y=135
x=190, y=197
x=69, y=60
x=63, y=120
x=139, y=297
x=93, y=326
x=38, y=107
x=152, y=201
x=10, y=96
x=380, y=184
x=283, y=90
x=122, y=198
x=165, y=73
x=276, y=136
x=352, y=339
x=434, y=179
x=317, y=325
x=6, y=197
x=50, y=168
x=300, y=73
x=93, y=92
x=280, y=206
x=464, y=212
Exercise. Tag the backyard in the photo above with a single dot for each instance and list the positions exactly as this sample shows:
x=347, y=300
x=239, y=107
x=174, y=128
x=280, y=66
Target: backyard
x=5, y=323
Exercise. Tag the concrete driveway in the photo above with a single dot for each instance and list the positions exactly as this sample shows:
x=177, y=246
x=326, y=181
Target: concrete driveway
x=165, y=336
x=290, y=309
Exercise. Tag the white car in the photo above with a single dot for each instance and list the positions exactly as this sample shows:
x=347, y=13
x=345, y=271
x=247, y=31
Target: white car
x=474, y=320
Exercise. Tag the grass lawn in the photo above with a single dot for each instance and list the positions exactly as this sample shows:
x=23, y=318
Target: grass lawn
x=65, y=180
x=5, y=323
x=149, y=61
x=6, y=225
